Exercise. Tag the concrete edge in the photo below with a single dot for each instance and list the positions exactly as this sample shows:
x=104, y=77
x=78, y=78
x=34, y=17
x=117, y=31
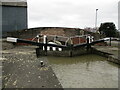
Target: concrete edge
x=109, y=56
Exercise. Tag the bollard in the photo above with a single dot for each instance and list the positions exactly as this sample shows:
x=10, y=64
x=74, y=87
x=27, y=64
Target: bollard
x=42, y=64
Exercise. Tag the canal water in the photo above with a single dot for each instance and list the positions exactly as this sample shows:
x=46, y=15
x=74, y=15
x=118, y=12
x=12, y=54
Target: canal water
x=86, y=71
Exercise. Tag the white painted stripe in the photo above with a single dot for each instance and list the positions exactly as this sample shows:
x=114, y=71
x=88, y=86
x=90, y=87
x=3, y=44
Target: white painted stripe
x=44, y=38
x=10, y=39
x=60, y=49
x=43, y=48
x=52, y=43
x=106, y=39
x=48, y=48
x=89, y=39
x=54, y=48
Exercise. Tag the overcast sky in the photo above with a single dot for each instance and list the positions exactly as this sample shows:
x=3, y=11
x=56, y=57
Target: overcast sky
x=71, y=13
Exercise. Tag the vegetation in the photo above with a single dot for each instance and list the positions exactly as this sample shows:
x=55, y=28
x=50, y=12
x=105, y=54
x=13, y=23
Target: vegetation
x=108, y=29
x=117, y=34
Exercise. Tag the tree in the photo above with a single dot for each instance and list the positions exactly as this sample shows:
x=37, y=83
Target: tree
x=108, y=29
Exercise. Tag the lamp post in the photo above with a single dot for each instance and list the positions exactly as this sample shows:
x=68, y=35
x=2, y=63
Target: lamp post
x=96, y=19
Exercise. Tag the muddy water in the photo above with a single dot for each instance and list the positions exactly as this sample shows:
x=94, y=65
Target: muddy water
x=87, y=71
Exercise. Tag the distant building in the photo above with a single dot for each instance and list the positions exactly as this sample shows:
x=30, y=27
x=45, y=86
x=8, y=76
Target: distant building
x=13, y=15
x=93, y=30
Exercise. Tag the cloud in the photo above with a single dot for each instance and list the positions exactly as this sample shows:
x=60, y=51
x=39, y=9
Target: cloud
x=70, y=13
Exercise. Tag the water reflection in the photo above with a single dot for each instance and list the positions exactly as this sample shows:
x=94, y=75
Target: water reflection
x=87, y=71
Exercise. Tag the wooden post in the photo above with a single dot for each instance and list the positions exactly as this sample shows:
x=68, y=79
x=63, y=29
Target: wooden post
x=87, y=44
x=39, y=51
x=110, y=41
x=46, y=46
x=71, y=50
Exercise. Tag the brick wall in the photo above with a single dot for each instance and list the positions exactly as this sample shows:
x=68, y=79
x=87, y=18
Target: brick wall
x=61, y=31
x=53, y=31
x=78, y=40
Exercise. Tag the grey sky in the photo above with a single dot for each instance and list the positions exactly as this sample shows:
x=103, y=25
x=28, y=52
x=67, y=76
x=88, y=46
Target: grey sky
x=71, y=13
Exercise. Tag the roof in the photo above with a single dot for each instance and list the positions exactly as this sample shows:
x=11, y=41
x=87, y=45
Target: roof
x=13, y=0
x=13, y=3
